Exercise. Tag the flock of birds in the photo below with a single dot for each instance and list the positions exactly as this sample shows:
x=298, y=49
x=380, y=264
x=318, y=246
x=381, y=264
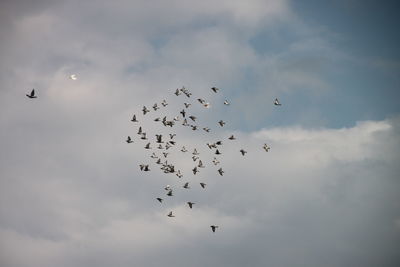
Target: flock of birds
x=164, y=145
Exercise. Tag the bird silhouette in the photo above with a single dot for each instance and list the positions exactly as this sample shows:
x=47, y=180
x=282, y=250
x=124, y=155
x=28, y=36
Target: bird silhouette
x=276, y=102
x=32, y=94
x=159, y=199
x=129, y=140
x=214, y=227
x=215, y=89
x=170, y=214
x=190, y=204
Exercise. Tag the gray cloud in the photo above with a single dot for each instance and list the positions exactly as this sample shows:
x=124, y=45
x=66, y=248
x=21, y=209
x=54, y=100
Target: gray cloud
x=71, y=193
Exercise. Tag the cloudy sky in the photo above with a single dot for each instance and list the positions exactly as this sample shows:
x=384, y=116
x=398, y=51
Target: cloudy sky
x=326, y=194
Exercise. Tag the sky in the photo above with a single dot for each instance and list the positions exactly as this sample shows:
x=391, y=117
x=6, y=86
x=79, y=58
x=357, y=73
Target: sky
x=326, y=194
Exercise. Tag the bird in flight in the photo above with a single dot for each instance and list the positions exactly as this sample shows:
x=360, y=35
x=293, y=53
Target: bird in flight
x=145, y=110
x=215, y=89
x=222, y=123
x=134, y=119
x=226, y=102
x=203, y=185
x=159, y=199
x=232, y=137
x=266, y=147
x=73, y=77
x=170, y=214
x=129, y=140
x=190, y=204
x=277, y=103
x=213, y=227
x=220, y=171
x=243, y=152
x=186, y=185
x=32, y=94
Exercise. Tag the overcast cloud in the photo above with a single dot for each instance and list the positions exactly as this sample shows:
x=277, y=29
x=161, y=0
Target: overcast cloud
x=71, y=192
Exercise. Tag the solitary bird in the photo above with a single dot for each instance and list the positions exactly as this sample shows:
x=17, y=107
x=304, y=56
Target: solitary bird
x=276, y=102
x=32, y=94
x=134, y=119
x=226, y=102
x=203, y=185
x=171, y=136
x=186, y=185
x=200, y=164
x=170, y=193
x=129, y=140
x=222, y=123
x=232, y=137
x=195, y=152
x=195, y=170
x=215, y=89
x=159, y=199
x=217, y=152
x=73, y=77
x=147, y=146
x=164, y=103
x=187, y=105
x=266, y=147
x=213, y=227
x=184, y=149
x=206, y=129
x=167, y=187
x=220, y=171
x=193, y=118
x=170, y=214
x=190, y=204
x=140, y=130
x=155, y=107
x=177, y=92
x=243, y=152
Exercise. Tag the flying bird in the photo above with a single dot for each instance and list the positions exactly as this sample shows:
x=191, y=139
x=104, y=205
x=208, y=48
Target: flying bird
x=206, y=129
x=159, y=199
x=171, y=136
x=168, y=187
x=155, y=107
x=177, y=92
x=266, y=147
x=129, y=140
x=145, y=110
x=186, y=185
x=217, y=152
x=183, y=149
x=195, y=152
x=170, y=193
x=73, y=77
x=147, y=146
x=222, y=123
x=170, y=214
x=187, y=105
x=32, y=94
x=213, y=227
x=243, y=152
x=232, y=137
x=220, y=171
x=190, y=204
x=195, y=170
x=164, y=103
x=159, y=138
x=140, y=130
x=183, y=112
x=215, y=89
x=193, y=118
x=226, y=102
x=134, y=119
x=203, y=185
x=215, y=161
x=277, y=103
